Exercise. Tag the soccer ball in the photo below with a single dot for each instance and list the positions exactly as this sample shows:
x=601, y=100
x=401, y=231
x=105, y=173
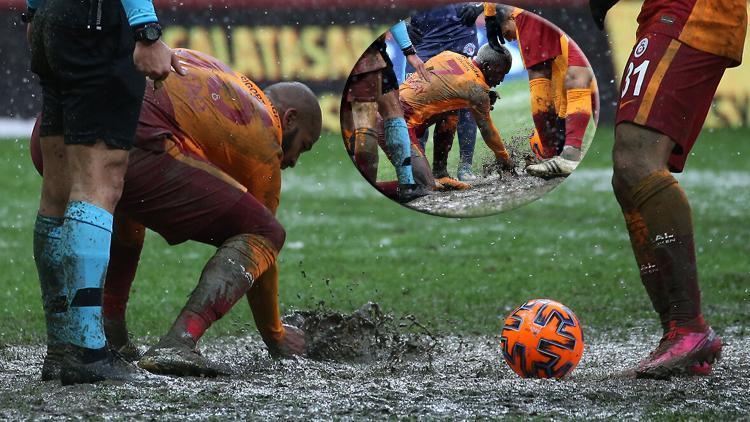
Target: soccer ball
x=542, y=339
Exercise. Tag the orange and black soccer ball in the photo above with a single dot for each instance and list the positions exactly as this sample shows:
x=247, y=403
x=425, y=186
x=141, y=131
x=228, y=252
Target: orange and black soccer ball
x=542, y=339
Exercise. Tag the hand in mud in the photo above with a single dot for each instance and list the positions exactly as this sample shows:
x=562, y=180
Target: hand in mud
x=293, y=343
x=505, y=165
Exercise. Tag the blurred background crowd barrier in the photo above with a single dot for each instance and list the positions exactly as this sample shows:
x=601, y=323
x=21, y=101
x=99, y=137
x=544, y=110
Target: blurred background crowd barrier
x=318, y=41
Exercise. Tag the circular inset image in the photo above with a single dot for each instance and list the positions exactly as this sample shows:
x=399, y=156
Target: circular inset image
x=469, y=109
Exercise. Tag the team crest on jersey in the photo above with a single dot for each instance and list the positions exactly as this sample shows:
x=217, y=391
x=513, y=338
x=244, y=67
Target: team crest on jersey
x=470, y=49
x=641, y=47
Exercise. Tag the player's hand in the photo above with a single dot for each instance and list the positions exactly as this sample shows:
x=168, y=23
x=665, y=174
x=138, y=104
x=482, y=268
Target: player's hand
x=293, y=343
x=505, y=164
x=494, y=33
x=469, y=13
x=418, y=64
x=156, y=59
x=599, y=9
x=493, y=98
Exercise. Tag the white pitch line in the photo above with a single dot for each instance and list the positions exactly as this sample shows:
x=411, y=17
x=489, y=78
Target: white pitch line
x=15, y=128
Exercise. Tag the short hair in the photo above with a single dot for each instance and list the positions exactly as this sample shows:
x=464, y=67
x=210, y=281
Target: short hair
x=488, y=57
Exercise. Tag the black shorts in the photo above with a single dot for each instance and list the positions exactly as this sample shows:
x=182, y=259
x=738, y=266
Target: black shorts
x=390, y=81
x=83, y=55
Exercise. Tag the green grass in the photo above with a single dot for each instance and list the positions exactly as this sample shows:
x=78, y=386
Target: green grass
x=347, y=245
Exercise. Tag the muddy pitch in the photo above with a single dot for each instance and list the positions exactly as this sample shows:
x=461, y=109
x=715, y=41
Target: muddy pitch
x=390, y=368
x=488, y=195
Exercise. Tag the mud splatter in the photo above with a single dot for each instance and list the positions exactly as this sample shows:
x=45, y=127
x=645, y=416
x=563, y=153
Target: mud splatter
x=366, y=335
x=489, y=194
x=456, y=377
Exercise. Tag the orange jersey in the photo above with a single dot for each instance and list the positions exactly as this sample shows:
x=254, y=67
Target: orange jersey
x=490, y=9
x=713, y=26
x=456, y=83
x=220, y=116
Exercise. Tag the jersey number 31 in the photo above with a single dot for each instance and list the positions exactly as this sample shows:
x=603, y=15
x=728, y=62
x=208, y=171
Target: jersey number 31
x=640, y=73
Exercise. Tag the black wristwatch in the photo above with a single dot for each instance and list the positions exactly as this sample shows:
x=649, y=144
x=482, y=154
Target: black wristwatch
x=148, y=33
x=28, y=16
x=408, y=51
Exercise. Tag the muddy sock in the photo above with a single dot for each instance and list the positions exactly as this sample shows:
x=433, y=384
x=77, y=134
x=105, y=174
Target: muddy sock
x=467, y=137
x=263, y=298
x=399, y=145
x=577, y=117
x=48, y=259
x=667, y=215
x=649, y=271
x=544, y=115
x=443, y=145
x=227, y=276
x=86, y=237
x=366, y=153
x=120, y=275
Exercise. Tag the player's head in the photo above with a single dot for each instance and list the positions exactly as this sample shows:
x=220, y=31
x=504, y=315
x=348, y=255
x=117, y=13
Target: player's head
x=300, y=118
x=493, y=64
x=507, y=22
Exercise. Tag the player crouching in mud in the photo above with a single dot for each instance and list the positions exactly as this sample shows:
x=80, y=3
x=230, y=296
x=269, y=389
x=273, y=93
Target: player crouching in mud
x=206, y=167
x=456, y=82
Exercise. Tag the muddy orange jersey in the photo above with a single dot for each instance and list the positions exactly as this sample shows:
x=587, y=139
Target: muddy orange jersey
x=490, y=9
x=456, y=83
x=219, y=116
x=713, y=26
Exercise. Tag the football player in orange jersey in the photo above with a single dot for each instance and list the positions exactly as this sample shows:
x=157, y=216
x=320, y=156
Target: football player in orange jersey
x=457, y=82
x=206, y=167
x=682, y=50
x=561, y=85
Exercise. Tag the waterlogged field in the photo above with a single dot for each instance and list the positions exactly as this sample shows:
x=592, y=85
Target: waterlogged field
x=347, y=245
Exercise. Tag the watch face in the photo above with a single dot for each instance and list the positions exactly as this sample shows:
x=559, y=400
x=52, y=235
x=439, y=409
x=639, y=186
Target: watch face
x=151, y=33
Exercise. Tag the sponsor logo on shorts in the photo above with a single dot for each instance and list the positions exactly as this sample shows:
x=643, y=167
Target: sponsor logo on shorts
x=669, y=20
x=641, y=47
x=470, y=49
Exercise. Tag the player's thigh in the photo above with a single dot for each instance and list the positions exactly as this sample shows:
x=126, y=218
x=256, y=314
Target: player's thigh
x=175, y=194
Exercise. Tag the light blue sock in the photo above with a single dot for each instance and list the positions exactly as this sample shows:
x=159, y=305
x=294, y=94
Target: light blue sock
x=399, y=145
x=48, y=259
x=87, y=234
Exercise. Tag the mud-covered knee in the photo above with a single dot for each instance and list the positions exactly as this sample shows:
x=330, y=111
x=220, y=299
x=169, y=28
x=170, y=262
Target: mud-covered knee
x=276, y=234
